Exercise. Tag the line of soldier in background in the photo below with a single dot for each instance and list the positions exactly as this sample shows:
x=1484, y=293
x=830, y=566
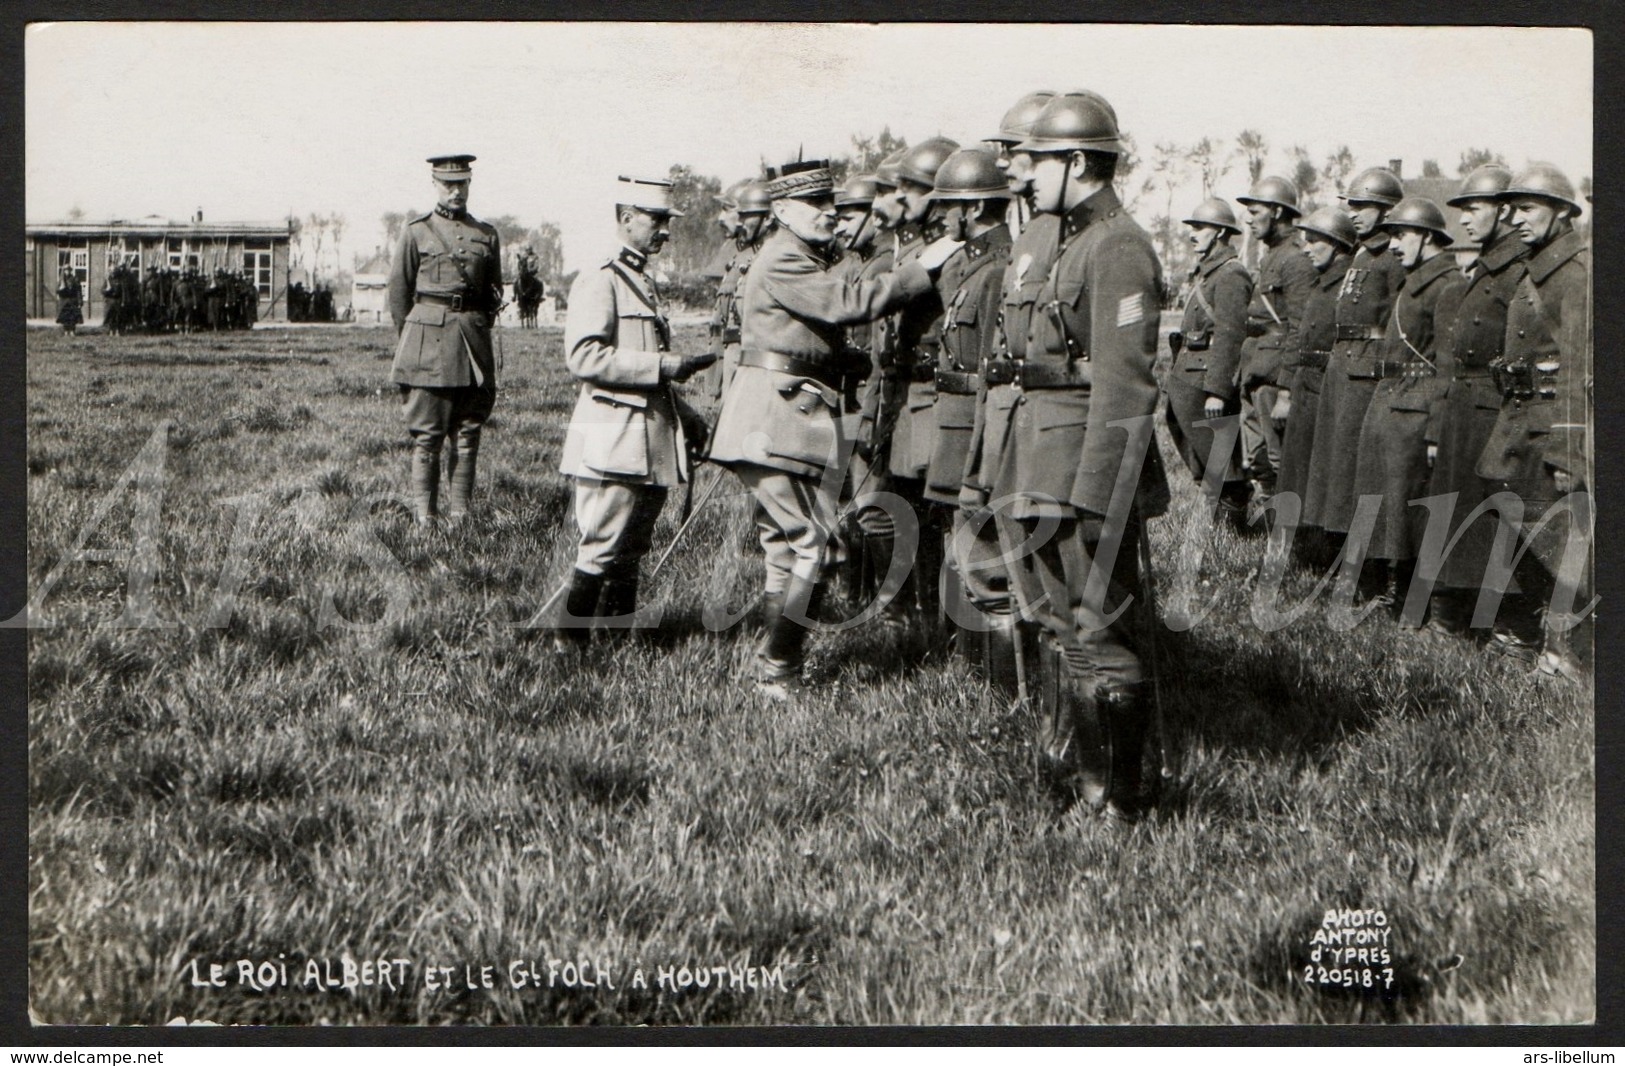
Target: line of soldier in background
x=310, y=305
x=169, y=300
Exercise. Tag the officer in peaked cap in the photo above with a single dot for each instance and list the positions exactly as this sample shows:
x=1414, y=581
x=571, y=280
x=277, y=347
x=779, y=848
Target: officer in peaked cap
x=780, y=428
x=630, y=435
x=1082, y=428
x=1540, y=447
x=1285, y=279
x=1203, y=383
x=445, y=287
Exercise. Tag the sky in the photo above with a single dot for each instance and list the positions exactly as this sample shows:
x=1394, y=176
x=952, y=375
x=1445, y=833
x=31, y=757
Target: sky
x=249, y=121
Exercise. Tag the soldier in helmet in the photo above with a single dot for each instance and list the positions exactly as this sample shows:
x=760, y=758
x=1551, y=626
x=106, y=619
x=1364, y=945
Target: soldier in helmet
x=918, y=343
x=445, y=285
x=1471, y=401
x=1363, y=307
x=1392, y=461
x=885, y=395
x=721, y=268
x=1007, y=634
x=1328, y=247
x=751, y=228
x=1285, y=279
x=1540, y=445
x=780, y=429
x=1083, y=426
x=974, y=195
x=1202, y=384
x=867, y=532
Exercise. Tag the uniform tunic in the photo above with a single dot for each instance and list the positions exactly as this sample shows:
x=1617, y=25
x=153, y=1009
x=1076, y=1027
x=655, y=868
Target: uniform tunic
x=868, y=341
x=1392, y=453
x=1543, y=424
x=1093, y=334
x=444, y=282
x=969, y=321
x=625, y=445
x=781, y=429
x=918, y=332
x=1363, y=307
x=1304, y=368
x=1285, y=279
x=1471, y=402
x=1214, y=326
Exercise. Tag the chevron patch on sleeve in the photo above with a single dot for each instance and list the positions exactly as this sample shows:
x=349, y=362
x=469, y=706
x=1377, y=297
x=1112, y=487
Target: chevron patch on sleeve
x=1130, y=309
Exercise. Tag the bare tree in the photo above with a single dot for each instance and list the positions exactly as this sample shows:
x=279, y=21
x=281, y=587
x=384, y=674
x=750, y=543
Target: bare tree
x=1339, y=165
x=1305, y=176
x=1473, y=158
x=1208, y=158
x=1128, y=161
x=1251, y=146
x=1431, y=169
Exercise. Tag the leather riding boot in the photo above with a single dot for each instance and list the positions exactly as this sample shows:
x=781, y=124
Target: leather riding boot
x=999, y=652
x=772, y=607
x=425, y=482
x=573, y=623
x=778, y=664
x=1055, y=724
x=461, y=462
x=1122, y=713
x=1092, y=751
x=618, y=601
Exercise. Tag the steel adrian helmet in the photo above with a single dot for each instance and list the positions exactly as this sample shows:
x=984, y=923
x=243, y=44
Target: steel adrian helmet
x=1213, y=212
x=1074, y=122
x=1333, y=224
x=1375, y=185
x=729, y=197
x=857, y=191
x=920, y=163
x=1281, y=192
x=752, y=198
x=886, y=173
x=970, y=174
x=1487, y=182
x=1418, y=212
x=1545, y=181
x=1018, y=121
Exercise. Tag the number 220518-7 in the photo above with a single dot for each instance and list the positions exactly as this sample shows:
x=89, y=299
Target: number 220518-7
x=1349, y=978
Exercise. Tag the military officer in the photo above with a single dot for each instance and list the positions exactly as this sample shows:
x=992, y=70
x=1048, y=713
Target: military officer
x=780, y=428
x=630, y=435
x=445, y=284
x=912, y=420
x=1363, y=307
x=1081, y=464
x=1392, y=463
x=974, y=194
x=867, y=531
x=1203, y=383
x=1540, y=445
x=1471, y=401
x=1285, y=279
x=1328, y=247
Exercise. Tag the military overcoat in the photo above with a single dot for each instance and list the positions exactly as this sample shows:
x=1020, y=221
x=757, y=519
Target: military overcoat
x=1209, y=364
x=1303, y=372
x=1285, y=280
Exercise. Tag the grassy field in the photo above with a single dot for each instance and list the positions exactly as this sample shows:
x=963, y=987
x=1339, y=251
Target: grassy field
x=367, y=758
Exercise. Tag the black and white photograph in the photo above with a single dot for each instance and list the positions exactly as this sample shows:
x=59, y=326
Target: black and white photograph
x=809, y=524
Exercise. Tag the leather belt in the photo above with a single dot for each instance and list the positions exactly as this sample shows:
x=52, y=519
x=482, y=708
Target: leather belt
x=1312, y=359
x=917, y=372
x=1411, y=369
x=456, y=301
x=789, y=364
x=1473, y=373
x=1049, y=376
x=999, y=372
x=958, y=382
x=1349, y=331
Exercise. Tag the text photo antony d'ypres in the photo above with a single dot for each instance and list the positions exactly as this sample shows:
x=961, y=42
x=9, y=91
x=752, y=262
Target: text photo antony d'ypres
x=809, y=524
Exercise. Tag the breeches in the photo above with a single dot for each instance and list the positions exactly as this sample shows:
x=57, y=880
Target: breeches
x=795, y=518
x=616, y=521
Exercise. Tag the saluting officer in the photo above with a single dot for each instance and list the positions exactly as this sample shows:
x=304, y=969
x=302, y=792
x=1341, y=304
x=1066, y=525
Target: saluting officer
x=445, y=285
x=1203, y=383
x=1363, y=307
x=1540, y=446
x=1088, y=365
x=1285, y=279
x=1471, y=401
x=973, y=195
x=780, y=429
x=630, y=434
x=1392, y=460
x=1329, y=241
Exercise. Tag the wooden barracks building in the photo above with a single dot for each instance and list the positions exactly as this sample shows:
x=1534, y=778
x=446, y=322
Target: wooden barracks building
x=93, y=249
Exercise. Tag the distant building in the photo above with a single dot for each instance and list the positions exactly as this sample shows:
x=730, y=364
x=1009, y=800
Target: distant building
x=369, y=291
x=92, y=249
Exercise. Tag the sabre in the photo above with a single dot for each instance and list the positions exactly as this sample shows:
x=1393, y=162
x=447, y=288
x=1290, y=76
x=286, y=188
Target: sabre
x=682, y=529
x=1148, y=588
